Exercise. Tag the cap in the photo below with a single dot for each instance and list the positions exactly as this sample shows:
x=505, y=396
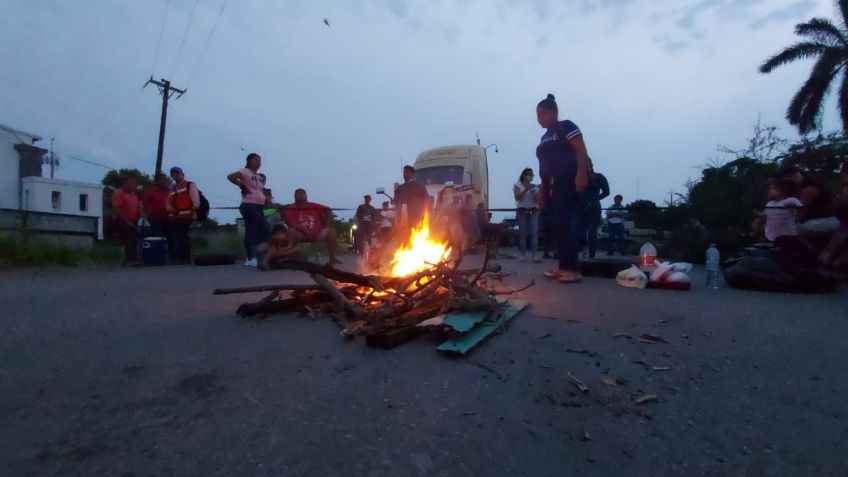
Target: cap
x=176, y=169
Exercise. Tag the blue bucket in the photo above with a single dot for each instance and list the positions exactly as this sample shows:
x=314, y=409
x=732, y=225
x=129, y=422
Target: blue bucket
x=154, y=251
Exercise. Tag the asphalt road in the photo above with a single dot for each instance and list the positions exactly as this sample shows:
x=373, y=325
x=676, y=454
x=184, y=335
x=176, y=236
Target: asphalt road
x=144, y=372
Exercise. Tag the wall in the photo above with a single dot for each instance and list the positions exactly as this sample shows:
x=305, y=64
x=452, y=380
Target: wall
x=40, y=227
x=10, y=167
x=38, y=195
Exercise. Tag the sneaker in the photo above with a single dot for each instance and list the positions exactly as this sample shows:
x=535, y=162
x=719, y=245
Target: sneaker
x=251, y=262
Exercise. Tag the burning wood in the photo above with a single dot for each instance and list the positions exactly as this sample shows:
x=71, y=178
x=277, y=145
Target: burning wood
x=422, y=282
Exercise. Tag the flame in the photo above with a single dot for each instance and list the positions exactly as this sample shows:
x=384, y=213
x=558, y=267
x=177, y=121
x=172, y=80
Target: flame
x=420, y=253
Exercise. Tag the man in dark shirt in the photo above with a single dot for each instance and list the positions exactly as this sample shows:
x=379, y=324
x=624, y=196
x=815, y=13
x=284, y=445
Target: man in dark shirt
x=414, y=196
x=597, y=191
x=365, y=215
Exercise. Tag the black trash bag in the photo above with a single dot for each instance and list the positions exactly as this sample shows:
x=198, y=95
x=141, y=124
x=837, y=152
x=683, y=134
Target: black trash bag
x=768, y=274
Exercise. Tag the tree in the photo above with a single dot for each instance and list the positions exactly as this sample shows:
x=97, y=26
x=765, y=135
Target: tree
x=113, y=178
x=764, y=145
x=725, y=198
x=827, y=42
x=644, y=213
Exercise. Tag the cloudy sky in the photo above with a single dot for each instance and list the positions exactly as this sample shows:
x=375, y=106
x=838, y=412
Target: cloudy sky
x=655, y=85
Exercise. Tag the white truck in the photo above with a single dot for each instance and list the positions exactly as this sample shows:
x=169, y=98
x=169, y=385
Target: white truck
x=450, y=170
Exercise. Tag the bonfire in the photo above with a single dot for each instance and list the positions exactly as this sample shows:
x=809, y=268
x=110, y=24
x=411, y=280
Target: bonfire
x=422, y=282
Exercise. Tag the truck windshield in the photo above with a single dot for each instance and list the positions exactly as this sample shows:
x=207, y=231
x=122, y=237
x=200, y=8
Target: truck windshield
x=439, y=175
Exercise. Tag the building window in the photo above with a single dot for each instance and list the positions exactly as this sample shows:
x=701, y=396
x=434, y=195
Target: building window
x=56, y=198
x=83, y=203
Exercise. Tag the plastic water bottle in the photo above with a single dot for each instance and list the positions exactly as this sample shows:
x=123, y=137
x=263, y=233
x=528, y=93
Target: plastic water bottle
x=647, y=255
x=712, y=261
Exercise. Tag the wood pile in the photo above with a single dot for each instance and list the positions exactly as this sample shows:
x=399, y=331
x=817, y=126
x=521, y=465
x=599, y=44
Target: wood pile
x=377, y=306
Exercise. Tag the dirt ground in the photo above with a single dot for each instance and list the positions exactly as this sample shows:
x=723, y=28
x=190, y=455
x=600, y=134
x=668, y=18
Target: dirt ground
x=144, y=372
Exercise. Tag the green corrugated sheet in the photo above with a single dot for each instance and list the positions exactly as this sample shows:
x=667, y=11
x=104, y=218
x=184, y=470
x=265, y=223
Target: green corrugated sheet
x=472, y=328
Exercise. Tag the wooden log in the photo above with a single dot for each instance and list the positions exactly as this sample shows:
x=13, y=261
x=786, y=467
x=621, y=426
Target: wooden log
x=341, y=276
x=297, y=303
x=354, y=310
x=264, y=288
x=393, y=338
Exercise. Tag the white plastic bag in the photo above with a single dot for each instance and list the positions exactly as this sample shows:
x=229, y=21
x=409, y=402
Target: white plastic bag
x=631, y=278
x=684, y=267
x=679, y=277
x=662, y=271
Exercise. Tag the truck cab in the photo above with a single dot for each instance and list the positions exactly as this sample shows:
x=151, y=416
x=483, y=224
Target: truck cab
x=450, y=170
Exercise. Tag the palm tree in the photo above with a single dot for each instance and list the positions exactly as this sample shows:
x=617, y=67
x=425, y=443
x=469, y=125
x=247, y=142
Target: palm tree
x=828, y=42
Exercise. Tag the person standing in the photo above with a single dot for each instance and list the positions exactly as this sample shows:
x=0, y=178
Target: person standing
x=256, y=230
x=182, y=207
x=365, y=215
x=413, y=195
x=527, y=214
x=615, y=225
x=126, y=210
x=387, y=220
x=154, y=205
x=564, y=169
x=597, y=191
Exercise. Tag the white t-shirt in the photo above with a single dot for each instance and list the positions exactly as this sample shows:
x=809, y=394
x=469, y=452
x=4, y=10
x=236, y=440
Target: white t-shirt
x=387, y=217
x=529, y=199
x=781, y=222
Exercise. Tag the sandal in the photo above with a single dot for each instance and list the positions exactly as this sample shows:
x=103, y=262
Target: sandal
x=569, y=277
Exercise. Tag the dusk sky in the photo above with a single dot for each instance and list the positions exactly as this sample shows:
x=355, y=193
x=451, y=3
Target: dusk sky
x=654, y=85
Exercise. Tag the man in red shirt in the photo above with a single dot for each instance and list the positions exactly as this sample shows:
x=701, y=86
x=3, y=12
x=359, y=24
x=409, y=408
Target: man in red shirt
x=126, y=210
x=310, y=222
x=154, y=205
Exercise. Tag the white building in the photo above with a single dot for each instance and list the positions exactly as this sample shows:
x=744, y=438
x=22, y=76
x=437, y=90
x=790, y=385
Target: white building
x=57, y=196
x=57, y=207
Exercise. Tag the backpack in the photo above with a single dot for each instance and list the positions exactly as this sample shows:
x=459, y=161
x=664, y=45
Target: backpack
x=203, y=209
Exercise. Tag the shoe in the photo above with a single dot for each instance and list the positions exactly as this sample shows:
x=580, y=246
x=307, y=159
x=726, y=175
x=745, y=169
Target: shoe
x=551, y=273
x=569, y=277
x=251, y=262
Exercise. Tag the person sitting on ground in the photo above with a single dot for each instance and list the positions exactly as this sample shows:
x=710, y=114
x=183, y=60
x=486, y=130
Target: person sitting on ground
x=836, y=251
x=280, y=248
x=310, y=222
x=781, y=210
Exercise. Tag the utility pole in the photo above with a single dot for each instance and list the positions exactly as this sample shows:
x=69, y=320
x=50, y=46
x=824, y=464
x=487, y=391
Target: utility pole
x=52, y=161
x=166, y=90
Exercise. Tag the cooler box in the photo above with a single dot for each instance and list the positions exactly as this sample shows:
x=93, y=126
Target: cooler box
x=154, y=251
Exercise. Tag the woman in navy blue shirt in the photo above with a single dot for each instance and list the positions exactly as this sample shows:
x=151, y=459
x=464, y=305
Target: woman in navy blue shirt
x=564, y=170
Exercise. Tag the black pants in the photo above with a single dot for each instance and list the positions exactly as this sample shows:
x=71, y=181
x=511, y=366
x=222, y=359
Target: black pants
x=129, y=240
x=179, y=245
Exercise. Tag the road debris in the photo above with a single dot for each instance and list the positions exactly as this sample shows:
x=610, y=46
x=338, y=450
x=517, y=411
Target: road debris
x=578, y=383
x=646, y=399
x=648, y=338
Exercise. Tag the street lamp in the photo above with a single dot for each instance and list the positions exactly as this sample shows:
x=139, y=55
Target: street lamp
x=490, y=145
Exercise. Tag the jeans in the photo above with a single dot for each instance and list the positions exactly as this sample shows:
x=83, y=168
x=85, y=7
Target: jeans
x=566, y=222
x=616, y=238
x=591, y=220
x=256, y=230
x=179, y=245
x=528, y=227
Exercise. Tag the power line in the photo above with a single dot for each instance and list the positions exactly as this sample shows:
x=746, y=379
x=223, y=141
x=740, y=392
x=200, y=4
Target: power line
x=185, y=35
x=161, y=33
x=206, y=45
x=93, y=163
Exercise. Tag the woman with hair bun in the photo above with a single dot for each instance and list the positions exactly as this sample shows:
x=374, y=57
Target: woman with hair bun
x=564, y=170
